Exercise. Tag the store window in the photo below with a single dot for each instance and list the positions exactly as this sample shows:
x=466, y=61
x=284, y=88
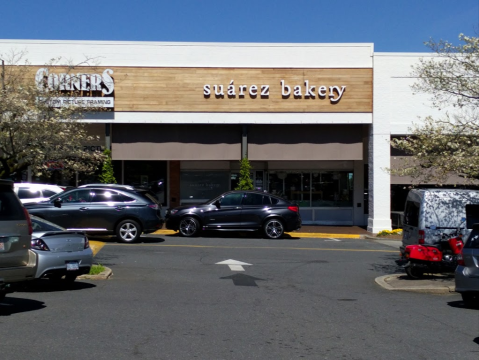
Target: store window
x=314, y=189
x=200, y=186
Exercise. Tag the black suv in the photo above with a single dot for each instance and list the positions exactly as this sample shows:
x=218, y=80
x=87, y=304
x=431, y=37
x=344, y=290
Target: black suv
x=239, y=210
x=122, y=210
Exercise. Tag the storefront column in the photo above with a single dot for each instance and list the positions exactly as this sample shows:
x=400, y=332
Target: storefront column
x=174, y=184
x=244, y=142
x=358, y=201
x=379, y=182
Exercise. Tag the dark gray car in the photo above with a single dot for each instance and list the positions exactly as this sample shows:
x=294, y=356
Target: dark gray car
x=124, y=211
x=240, y=210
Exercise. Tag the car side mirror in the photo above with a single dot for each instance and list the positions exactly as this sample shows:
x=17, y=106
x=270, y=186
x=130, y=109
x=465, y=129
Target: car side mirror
x=217, y=204
x=57, y=202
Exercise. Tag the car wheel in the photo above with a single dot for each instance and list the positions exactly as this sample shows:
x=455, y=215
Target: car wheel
x=2, y=295
x=189, y=226
x=470, y=299
x=128, y=231
x=413, y=272
x=273, y=229
x=70, y=277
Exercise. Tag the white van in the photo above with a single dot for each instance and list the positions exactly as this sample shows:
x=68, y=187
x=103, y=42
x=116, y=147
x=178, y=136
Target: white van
x=430, y=213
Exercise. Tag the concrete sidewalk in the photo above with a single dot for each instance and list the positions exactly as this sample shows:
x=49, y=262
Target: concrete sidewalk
x=315, y=231
x=437, y=284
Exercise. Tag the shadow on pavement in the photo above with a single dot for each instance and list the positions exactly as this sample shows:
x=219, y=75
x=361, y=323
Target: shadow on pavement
x=388, y=266
x=144, y=239
x=258, y=235
x=13, y=305
x=460, y=305
x=45, y=285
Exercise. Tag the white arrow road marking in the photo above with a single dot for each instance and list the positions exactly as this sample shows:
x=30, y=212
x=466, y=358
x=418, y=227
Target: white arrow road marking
x=332, y=239
x=234, y=265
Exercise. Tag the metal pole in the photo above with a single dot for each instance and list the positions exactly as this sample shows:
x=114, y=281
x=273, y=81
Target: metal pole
x=3, y=75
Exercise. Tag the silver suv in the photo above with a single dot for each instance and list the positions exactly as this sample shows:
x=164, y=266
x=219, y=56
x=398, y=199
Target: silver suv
x=17, y=261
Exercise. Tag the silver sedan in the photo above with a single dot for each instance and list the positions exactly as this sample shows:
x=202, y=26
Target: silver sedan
x=60, y=253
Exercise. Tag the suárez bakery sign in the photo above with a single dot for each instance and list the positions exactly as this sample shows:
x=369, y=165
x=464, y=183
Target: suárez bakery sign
x=334, y=93
x=66, y=82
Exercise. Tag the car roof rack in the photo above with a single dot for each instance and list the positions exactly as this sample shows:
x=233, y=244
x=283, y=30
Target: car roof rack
x=115, y=186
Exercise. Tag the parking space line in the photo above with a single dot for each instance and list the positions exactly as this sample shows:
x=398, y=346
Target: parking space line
x=96, y=246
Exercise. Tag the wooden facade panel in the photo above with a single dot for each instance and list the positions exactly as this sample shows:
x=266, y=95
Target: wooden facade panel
x=181, y=90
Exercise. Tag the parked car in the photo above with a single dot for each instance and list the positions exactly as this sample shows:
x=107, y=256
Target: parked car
x=467, y=271
x=60, y=252
x=124, y=211
x=17, y=261
x=240, y=210
x=30, y=193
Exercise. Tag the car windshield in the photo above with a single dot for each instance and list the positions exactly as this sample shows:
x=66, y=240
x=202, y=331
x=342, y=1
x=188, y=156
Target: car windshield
x=39, y=224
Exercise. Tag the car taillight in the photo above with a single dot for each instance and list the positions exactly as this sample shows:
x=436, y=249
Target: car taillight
x=422, y=236
x=87, y=243
x=293, y=208
x=29, y=221
x=153, y=206
x=39, y=244
x=460, y=259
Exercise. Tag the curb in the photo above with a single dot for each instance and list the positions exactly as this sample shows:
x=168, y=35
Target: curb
x=104, y=275
x=292, y=234
x=434, y=289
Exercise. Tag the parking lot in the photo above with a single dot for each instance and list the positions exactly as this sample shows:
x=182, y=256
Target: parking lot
x=169, y=298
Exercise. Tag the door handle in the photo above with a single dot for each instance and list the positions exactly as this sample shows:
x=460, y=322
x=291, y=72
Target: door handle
x=119, y=207
x=83, y=208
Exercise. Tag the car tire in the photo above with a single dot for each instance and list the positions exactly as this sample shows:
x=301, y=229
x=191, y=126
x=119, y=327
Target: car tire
x=470, y=299
x=128, y=231
x=413, y=272
x=2, y=295
x=189, y=226
x=273, y=228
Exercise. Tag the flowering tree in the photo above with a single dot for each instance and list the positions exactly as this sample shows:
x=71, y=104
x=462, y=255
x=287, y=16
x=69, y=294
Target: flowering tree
x=448, y=146
x=32, y=131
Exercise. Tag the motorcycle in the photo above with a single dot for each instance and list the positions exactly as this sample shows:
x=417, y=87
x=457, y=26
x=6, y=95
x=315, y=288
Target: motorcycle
x=433, y=258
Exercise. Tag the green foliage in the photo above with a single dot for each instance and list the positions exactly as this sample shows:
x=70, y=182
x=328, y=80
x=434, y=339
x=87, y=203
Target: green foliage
x=96, y=269
x=107, y=175
x=245, y=181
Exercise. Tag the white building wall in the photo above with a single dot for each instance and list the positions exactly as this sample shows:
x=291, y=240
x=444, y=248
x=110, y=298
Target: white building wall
x=396, y=108
x=229, y=55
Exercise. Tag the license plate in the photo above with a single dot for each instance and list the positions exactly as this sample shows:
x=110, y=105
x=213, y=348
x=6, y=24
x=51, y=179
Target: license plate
x=72, y=266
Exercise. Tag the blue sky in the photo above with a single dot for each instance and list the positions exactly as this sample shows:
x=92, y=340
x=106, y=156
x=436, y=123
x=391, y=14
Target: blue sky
x=400, y=25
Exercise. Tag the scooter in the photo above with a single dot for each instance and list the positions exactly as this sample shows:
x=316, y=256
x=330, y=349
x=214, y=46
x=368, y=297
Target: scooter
x=433, y=258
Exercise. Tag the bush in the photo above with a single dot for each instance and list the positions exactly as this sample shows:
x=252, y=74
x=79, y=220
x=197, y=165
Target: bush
x=390, y=232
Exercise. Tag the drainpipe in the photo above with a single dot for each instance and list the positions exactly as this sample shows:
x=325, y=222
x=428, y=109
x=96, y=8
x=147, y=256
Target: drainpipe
x=244, y=142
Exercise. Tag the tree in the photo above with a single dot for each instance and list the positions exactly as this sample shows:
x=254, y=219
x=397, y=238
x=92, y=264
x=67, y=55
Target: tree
x=107, y=175
x=245, y=182
x=448, y=146
x=33, y=132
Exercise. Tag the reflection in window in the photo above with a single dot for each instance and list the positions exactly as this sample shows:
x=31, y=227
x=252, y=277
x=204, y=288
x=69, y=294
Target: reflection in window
x=314, y=189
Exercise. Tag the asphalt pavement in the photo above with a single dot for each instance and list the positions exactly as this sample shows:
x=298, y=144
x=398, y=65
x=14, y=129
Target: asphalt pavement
x=433, y=283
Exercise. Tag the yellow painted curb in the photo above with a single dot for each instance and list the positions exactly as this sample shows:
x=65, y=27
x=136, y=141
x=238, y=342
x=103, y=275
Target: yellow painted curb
x=292, y=234
x=96, y=246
